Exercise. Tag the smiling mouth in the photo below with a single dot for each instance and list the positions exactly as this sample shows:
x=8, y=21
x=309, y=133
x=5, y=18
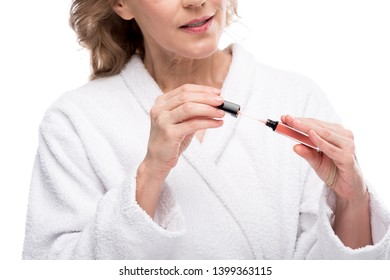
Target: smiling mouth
x=196, y=24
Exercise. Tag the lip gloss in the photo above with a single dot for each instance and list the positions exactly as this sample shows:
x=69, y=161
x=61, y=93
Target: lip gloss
x=290, y=132
x=279, y=127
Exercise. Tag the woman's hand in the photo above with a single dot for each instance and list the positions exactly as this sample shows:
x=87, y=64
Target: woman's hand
x=337, y=166
x=175, y=117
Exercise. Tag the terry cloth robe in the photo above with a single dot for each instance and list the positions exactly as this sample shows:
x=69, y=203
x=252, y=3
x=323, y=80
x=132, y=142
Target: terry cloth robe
x=240, y=194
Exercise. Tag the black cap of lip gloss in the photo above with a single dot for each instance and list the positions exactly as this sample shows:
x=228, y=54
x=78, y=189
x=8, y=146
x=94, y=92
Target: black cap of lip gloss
x=272, y=124
x=230, y=108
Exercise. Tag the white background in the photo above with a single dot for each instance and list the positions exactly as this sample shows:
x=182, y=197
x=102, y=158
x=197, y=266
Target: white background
x=342, y=45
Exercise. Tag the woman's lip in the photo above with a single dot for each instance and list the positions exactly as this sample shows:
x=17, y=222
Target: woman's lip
x=199, y=27
x=198, y=20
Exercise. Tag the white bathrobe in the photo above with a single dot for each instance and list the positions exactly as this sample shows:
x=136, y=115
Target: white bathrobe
x=240, y=194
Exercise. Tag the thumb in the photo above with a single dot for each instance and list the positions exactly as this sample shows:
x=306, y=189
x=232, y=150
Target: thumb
x=309, y=154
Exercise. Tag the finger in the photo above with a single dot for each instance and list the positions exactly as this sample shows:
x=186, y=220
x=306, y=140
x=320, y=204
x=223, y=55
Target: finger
x=164, y=106
x=332, y=151
x=334, y=137
x=192, y=110
x=193, y=125
x=315, y=160
x=311, y=156
x=189, y=88
x=194, y=97
x=305, y=124
x=331, y=127
x=301, y=124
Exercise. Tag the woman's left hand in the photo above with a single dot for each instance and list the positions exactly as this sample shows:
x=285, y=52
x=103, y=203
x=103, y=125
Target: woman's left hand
x=336, y=164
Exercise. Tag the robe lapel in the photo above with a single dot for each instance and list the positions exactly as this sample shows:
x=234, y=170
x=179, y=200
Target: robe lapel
x=204, y=157
x=236, y=88
x=221, y=185
x=140, y=84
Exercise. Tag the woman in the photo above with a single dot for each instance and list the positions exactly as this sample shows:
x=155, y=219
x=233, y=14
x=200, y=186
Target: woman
x=120, y=175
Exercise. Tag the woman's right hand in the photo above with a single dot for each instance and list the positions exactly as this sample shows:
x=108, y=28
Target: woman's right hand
x=175, y=117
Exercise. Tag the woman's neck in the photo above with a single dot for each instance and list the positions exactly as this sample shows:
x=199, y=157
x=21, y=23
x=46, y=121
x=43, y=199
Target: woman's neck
x=171, y=72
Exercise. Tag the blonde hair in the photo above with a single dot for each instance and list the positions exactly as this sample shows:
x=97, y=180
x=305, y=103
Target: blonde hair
x=110, y=39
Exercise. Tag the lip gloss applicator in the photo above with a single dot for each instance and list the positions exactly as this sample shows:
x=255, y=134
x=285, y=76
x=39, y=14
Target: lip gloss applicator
x=279, y=127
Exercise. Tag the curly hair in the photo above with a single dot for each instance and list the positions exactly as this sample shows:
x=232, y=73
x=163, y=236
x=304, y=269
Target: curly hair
x=110, y=39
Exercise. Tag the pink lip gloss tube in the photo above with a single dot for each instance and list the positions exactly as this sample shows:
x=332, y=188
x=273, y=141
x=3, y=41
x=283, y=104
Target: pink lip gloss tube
x=292, y=133
x=281, y=128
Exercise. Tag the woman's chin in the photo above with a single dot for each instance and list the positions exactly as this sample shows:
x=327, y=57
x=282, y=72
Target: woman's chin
x=200, y=51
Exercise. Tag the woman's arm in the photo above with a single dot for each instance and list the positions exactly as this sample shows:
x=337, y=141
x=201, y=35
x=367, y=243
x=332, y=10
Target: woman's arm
x=76, y=211
x=175, y=117
x=352, y=222
x=337, y=167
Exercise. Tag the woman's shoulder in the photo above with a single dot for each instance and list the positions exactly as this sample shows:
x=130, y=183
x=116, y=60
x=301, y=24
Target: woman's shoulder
x=105, y=90
x=91, y=90
x=93, y=100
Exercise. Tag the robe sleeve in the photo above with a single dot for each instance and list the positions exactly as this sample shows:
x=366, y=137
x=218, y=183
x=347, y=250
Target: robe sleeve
x=316, y=238
x=72, y=215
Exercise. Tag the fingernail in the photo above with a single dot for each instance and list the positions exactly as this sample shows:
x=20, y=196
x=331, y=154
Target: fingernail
x=218, y=98
x=295, y=120
x=221, y=112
